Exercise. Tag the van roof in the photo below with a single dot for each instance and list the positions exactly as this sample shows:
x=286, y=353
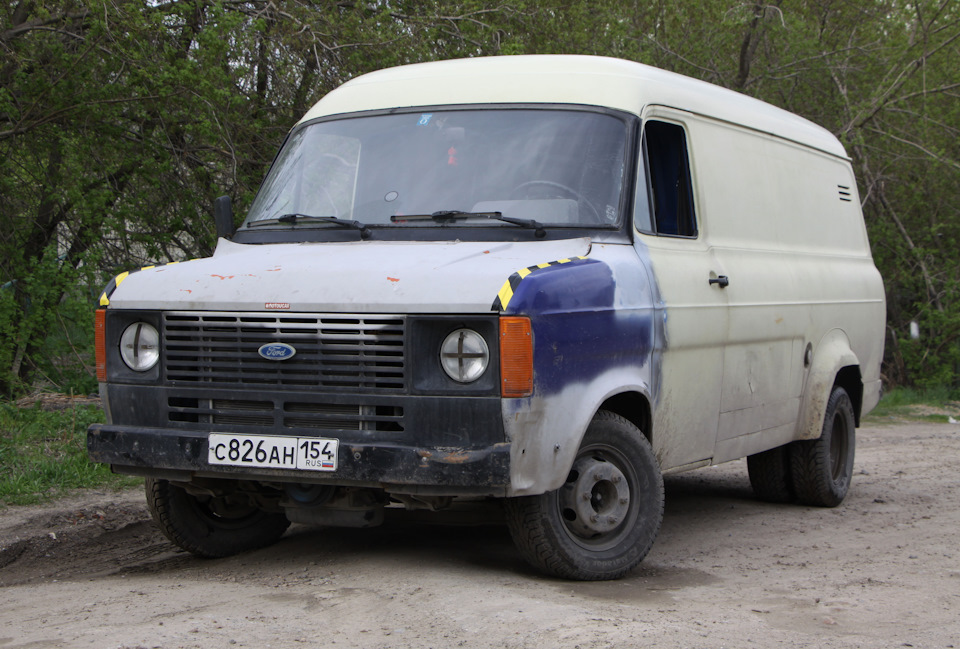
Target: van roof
x=564, y=79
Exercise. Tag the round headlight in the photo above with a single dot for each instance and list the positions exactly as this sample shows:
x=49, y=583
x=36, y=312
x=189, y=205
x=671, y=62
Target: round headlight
x=464, y=355
x=140, y=346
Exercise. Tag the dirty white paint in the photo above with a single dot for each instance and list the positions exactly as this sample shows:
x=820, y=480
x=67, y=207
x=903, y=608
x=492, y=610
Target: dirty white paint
x=354, y=277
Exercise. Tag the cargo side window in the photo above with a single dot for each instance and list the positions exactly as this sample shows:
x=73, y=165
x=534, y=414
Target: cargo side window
x=669, y=168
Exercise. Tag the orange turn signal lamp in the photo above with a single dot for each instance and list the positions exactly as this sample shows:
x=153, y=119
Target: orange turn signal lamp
x=100, y=344
x=516, y=357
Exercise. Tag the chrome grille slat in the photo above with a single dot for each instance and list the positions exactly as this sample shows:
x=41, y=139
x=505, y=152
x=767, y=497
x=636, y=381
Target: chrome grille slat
x=333, y=350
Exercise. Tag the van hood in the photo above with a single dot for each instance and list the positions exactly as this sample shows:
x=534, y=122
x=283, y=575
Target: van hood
x=354, y=277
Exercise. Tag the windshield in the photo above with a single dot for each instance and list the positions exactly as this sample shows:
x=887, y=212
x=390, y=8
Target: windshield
x=548, y=167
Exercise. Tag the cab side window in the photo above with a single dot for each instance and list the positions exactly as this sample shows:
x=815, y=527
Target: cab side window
x=669, y=169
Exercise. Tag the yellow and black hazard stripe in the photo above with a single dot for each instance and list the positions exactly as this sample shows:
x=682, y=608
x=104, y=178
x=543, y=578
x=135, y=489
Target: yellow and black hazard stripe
x=510, y=286
x=116, y=281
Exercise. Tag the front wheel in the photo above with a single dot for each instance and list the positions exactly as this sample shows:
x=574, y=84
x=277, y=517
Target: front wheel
x=602, y=522
x=211, y=526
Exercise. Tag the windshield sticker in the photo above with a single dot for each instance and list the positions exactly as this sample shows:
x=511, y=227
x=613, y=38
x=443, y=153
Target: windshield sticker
x=425, y=119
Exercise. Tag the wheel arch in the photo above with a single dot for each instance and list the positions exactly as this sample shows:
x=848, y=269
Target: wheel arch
x=850, y=379
x=834, y=364
x=634, y=407
x=546, y=434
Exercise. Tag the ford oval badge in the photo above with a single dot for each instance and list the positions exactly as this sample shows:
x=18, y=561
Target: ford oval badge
x=277, y=351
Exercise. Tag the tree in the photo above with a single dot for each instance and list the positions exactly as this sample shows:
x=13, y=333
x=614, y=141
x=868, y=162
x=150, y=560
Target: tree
x=121, y=121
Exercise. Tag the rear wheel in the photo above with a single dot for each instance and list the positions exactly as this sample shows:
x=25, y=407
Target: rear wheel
x=822, y=467
x=211, y=526
x=770, y=475
x=602, y=522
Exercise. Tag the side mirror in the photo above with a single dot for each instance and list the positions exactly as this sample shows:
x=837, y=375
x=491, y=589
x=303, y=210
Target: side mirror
x=223, y=217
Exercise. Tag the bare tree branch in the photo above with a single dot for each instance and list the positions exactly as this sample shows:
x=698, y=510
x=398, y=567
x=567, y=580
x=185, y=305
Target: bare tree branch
x=927, y=152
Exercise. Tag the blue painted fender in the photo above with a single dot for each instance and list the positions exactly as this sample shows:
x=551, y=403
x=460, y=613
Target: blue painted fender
x=594, y=336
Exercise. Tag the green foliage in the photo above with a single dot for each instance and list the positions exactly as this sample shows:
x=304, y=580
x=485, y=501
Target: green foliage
x=65, y=357
x=43, y=454
x=936, y=404
x=121, y=121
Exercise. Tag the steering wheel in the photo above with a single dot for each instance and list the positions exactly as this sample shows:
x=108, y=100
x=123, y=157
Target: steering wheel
x=570, y=191
x=333, y=211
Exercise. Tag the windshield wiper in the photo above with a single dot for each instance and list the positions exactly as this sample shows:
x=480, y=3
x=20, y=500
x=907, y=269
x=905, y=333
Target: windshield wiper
x=295, y=219
x=449, y=216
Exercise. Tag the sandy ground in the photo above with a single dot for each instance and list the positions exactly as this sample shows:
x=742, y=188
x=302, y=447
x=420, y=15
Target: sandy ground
x=882, y=570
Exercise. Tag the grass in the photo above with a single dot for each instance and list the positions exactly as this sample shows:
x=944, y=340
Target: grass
x=43, y=454
x=932, y=404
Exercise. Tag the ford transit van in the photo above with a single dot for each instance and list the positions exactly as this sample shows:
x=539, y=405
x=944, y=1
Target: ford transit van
x=547, y=280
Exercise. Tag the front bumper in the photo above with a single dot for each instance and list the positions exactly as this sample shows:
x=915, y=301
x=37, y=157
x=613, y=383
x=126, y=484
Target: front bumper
x=398, y=468
x=426, y=444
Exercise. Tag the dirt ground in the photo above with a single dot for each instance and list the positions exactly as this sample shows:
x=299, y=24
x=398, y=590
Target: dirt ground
x=882, y=570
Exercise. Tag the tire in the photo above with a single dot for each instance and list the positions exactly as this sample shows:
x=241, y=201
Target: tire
x=771, y=476
x=211, y=526
x=602, y=522
x=822, y=467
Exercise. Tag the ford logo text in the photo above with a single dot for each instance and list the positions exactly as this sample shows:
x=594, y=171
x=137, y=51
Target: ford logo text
x=277, y=351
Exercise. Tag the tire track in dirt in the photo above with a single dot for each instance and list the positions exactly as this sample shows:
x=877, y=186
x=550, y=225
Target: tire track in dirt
x=882, y=570
x=80, y=542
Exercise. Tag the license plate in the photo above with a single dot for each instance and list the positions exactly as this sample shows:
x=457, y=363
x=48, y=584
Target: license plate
x=303, y=453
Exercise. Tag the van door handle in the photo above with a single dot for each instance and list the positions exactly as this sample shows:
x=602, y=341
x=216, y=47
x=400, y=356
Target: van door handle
x=722, y=280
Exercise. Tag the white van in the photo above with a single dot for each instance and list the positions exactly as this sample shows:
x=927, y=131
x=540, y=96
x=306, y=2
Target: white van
x=545, y=279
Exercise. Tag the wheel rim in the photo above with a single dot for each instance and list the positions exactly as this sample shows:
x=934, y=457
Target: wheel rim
x=599, y=503
x=838, y=447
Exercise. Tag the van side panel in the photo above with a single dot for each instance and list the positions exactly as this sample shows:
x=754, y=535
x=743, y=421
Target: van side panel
x=785, y=224
x=782, y=223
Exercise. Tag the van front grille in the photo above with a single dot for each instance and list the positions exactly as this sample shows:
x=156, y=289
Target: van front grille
x=333, y=351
